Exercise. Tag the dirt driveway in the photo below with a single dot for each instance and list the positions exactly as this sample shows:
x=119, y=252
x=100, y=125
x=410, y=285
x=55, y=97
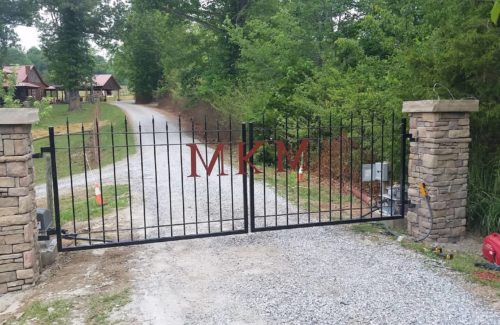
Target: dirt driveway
x=322, y=275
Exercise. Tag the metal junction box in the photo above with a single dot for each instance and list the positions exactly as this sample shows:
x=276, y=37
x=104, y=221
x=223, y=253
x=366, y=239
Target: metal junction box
x=379, y=170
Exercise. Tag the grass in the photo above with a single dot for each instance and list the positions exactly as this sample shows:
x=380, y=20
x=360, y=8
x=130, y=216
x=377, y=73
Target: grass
x=484, y=172
x=484, y=195
x=461, y=262
x=57, y=117
x=308, y=196
x=101, y=306
x=55, y=312
x=80, y=202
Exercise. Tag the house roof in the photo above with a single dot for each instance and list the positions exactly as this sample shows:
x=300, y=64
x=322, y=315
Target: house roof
x=106, y=81
x=22, y=74
x=27, y=84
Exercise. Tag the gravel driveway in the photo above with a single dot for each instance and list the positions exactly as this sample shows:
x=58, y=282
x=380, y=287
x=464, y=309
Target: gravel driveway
x=323, y=275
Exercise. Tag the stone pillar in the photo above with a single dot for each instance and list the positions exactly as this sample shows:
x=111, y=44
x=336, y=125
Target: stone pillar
x=19, y=266
x=439, y=157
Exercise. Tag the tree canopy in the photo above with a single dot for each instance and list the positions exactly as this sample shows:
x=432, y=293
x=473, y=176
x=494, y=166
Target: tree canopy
x=315, y=57
x=12, y=13
x=67, y=30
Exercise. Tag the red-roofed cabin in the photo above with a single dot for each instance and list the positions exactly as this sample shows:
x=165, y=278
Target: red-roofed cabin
x=105, y=84
x=29, y=82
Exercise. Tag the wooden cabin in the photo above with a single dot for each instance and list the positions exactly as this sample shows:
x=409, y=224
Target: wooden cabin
x=29, y=82
x=104, y=85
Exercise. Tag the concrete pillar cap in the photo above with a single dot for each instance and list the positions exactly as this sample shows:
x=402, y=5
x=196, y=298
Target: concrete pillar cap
x=441, y=106
x=18, y=116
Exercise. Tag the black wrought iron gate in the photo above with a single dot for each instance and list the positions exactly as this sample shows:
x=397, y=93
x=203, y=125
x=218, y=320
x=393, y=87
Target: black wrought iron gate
x=119, y=184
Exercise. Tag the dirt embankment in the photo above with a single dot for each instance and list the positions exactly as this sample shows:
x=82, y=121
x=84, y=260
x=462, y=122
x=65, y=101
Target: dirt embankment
x=201, y=117
x=77, y=279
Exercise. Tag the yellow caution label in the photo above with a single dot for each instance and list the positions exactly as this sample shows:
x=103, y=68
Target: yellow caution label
x=422, y=189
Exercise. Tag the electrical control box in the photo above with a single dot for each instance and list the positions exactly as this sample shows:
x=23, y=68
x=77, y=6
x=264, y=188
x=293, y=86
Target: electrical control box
x=378, y=171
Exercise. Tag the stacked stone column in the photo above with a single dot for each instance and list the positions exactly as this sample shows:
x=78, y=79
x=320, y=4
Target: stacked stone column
x=19, y=265
x=439, y=158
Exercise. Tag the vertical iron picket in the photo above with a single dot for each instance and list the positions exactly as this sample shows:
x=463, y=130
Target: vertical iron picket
x=156, y=178
x=127, y=149
x=114, y=181
x=330, y=167
x=319, y=169
x=252, y=175
x=244, y=172
x=206, y=177
x=100, y=178
x=350, y=168
x=372, y=161
x=70, y=163
x=169, y=182
x=194, y=183
x=86, y=184
x=231, y=143
x=341, y=169
x=55, y=188
x=220, y=185
x=142, y=182
x=403, y=166
x=182, y=181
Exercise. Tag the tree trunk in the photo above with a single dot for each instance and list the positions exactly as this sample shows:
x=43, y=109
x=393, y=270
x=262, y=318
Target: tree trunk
x=74, y=100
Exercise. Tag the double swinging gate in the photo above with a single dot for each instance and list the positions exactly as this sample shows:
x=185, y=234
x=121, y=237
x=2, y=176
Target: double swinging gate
x=119, y=184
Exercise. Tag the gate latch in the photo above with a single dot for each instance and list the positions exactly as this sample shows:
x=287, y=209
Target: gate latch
x=410, y=137
x=43, y=150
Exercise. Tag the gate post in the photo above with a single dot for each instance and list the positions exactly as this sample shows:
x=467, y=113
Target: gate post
x=439, y=157
x=19, y=265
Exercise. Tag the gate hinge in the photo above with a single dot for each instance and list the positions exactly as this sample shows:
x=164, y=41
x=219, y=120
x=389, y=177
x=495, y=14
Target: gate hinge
x=409, y=204
x=40, y=154
x=410, y=137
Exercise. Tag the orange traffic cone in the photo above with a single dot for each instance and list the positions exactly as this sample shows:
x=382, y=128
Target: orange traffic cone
x=98, y=196
x=300, y=175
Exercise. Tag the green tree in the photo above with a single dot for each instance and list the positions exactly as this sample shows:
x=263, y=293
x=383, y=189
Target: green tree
x=15, y=56
x=66, y=40
x=37, y=58
x=12, y=13
x=139, y=57
x=101, y=65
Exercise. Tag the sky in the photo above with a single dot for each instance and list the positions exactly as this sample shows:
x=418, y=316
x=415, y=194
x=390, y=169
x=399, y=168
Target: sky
x=28, y=36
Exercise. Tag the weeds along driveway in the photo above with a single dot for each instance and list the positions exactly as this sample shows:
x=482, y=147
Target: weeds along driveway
x=305, y=276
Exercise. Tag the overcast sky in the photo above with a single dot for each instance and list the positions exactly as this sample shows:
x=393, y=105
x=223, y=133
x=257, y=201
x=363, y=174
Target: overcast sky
x=28, y=37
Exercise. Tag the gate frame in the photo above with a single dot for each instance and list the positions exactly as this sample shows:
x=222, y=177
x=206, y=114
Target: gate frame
x=404, y=137
x=248, y=181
